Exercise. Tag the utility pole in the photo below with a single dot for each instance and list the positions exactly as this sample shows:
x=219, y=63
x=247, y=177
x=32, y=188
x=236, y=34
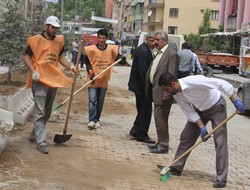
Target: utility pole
x=62, y=9
x=120, y=23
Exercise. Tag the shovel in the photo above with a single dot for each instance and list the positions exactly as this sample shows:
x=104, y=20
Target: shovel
x=76, y=92
x=165, y=174
x=58, y=139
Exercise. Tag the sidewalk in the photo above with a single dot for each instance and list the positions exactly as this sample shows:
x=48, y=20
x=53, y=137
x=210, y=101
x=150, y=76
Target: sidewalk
x=234, y=79
x=133, y=167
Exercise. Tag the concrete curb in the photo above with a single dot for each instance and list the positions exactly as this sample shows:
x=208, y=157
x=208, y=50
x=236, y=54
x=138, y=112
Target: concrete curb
x=3, y=142
x=16, y=109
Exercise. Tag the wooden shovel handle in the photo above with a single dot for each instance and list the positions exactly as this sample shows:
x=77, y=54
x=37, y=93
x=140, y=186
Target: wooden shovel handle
x=165, y=169
x=73, y=88
x=101, y=73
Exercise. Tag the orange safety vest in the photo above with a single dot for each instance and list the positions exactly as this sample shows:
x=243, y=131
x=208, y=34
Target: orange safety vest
x=100, y=60
x=45, y=60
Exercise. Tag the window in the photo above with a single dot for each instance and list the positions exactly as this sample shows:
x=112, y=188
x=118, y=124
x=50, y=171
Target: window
x=214, y=15
x=173, y=12
x=172, y=29
x=215, y=0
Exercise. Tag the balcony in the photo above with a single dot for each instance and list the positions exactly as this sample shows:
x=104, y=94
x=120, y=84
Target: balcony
x=153, y=3
x=231, y=23
x=153, y=22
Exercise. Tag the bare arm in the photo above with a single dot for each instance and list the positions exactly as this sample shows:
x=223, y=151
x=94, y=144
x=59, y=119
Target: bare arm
x=64, y=62
x=28, y=62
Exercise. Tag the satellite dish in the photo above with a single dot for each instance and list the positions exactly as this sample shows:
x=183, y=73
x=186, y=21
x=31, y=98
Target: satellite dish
x=149, y=13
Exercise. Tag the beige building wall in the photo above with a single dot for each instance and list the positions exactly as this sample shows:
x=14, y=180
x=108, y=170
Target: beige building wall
x=190, y=14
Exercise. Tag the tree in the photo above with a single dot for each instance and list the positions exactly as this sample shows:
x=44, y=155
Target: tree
x=205, y=26
x=14, y=31
x=194, y=40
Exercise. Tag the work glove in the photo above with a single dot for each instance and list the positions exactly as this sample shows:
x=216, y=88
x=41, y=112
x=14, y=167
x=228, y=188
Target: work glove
x=239, y=105
x=91, y=74
x=73, y=69
x=204, y=133
x=36, y=76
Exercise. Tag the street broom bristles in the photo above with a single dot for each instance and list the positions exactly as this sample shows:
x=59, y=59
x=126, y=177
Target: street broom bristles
x=165, y=177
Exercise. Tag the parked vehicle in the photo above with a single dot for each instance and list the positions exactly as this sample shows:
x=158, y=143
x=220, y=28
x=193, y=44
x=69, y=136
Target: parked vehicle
x=244, y=95
x=223, y=60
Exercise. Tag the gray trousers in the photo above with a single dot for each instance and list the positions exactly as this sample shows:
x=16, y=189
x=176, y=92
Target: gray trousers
x=161, y=114
x=43, y=97
x=216, y=114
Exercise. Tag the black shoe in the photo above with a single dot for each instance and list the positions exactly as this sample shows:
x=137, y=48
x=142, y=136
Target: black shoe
x=158, y=150
x=219, y=184
x=146, y=140
x=160, y=166
x=150, y=146
x=173, y=171
x=131, y=137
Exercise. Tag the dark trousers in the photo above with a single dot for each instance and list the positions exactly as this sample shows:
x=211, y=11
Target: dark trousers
x=216, y=114
x=143, y=118
x=182, y=74
x=161, y=115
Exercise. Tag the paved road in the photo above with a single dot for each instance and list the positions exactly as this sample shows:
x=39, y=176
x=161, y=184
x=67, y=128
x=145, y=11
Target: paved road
x=199, y=172
x=200, y=168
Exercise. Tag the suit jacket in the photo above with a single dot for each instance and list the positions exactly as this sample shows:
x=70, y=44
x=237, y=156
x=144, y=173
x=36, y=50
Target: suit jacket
x=141, y=62
x=169, y=62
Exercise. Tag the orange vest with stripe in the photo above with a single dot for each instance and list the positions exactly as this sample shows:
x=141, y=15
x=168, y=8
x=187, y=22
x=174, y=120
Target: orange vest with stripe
x=45, y=60
x=100, y=60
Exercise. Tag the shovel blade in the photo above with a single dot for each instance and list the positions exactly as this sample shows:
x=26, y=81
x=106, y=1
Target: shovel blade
x=59, y=139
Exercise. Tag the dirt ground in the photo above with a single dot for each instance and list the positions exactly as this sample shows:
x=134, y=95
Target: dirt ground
x=73, y=165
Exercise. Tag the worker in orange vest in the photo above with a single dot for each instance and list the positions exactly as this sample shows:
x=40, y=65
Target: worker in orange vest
x=42, y=56
x=98, y=57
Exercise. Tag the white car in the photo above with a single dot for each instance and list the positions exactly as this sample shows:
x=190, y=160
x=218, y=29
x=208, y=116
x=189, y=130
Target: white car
x=110, y=42
x=244, y=95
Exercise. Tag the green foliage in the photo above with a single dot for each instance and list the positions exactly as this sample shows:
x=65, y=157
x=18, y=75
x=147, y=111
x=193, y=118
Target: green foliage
x=227, y=44
x=37, y=26
x=15, y=30
x=194, y=40
x=69, y=38
x=83, y=8
x=204, y=28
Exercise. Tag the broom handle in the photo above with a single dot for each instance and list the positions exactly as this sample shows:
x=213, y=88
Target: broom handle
x=72, y=88
x=101, y=73
x=165, y=169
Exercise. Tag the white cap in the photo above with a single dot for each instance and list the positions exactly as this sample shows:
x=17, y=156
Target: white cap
x=53, y=20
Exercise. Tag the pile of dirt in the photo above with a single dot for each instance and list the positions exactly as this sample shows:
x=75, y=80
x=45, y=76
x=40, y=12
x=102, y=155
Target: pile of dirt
x=18, y=79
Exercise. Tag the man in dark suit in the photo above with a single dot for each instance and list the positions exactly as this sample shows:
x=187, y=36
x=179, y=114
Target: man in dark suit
x=142, y=59
x=166, y=60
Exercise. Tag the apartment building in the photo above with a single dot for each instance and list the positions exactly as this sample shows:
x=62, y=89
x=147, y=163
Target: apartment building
x=178, y=16
x=235, y=15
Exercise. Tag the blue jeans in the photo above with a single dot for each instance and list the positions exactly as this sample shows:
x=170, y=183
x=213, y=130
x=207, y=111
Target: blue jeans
x=96, y=101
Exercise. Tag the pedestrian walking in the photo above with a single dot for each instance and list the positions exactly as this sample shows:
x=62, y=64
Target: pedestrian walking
x=201, y=101
x=186, y=59
x=42, y=56
x=142, y=59
x=196, y=65
x=166, y=60
x=74, y=51
x=98, y=57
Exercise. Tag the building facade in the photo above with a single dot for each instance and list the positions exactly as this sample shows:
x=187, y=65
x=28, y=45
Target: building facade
x=173, y=16
x=179, y=17
x=234, y=14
